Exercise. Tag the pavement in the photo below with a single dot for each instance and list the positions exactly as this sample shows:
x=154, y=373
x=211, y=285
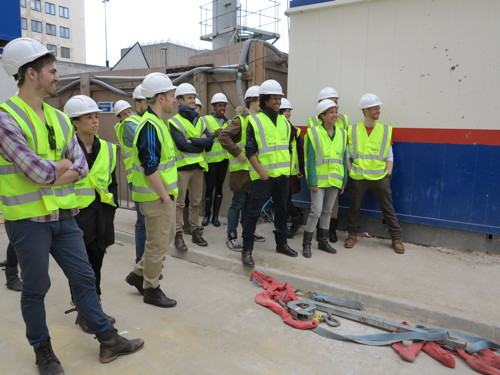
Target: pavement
x=217, y=328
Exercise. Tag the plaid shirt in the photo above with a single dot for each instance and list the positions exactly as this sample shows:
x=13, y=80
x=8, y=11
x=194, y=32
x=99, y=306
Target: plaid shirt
x=15, y=149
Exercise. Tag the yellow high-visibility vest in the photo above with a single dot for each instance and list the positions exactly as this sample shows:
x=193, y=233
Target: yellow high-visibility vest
x=217, y=153
x=295, y=155
x=329, y=155
x=124, y=149
x=142, y=191
x=99, y=177
x=369, y=153
x=234, y=164
x=22, y=198
x=273, y=142
x=189, y=131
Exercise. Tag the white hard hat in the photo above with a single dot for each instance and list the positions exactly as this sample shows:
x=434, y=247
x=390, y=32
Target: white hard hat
x=369, y=101
x=138, y=93
x=156, y=83
x=198, y=102
x=80, y=105
x=21, y=51
x=219, y=98
x=252, y=92
x=270, y=87
x=327, y=92
x=324, y=105
x=185, y=89
x=121, y=105
x=285, y=104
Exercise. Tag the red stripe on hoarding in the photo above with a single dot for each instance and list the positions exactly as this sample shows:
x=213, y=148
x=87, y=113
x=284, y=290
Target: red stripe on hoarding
x=453, y=136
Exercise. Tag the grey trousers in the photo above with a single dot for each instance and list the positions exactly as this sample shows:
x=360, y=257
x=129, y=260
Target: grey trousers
x=321, y=208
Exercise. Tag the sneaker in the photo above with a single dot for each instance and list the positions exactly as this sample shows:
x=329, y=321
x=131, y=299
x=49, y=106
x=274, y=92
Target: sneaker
x=233, y=244
x=258, y=238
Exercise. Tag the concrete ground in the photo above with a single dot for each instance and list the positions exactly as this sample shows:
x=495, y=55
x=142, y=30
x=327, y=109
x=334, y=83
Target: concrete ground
x=217, y=328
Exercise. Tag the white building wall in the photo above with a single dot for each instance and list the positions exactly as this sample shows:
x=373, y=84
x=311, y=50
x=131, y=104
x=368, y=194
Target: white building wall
x=434, y=64
x=75, y=23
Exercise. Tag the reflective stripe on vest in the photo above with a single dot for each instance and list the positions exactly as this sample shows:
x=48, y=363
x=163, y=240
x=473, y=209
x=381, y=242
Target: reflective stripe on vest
x=189, y=131
x=273, y=142
x=369, y=153
x=295, y=154
x=21, y=197
x=329, y=155
x=126, y=152
x=217, y=153
x=234, y=164
x=142, y=191
x=99, y=177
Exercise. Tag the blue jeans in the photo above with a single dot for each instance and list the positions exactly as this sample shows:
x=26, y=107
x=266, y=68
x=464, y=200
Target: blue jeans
x=236, y=210
x=277, y=187
x=140, y=234
x=33, y=242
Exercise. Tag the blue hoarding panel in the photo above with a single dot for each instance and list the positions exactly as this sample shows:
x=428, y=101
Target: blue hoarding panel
x=10, y=27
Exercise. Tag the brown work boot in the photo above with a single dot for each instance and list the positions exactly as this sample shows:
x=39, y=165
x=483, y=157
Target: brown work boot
x=350, y=241
x=398, y=246
x=114, y=345
x=198, y=239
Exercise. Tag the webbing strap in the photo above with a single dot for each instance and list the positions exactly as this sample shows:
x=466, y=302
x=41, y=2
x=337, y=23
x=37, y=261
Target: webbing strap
x=381, y=339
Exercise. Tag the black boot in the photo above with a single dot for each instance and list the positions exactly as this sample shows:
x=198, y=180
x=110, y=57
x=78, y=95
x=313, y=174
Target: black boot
x=156, y=297
x=296, y=222
x=179, y=242
x=82, y=323
x=135, y=280
x=246, y=258
x=333, y=230
x=3, y=263
x=215, y=217
x=208, y=207
x=198, y=239
x=287, y=250
x=114, y=345
x=323, y=242
x=46, y=360
x=306, y=244
x=13, y=281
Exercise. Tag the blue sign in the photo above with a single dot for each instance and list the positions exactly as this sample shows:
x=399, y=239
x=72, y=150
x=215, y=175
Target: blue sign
x=106, y=107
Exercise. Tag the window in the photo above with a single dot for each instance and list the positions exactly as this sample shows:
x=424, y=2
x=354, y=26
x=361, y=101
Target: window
x=36, y=5
x=23, y=3
x=24, y=24
x=64, y=32
x=63, y=12
x=36, y=26
x=65, y=52
x=50, y=29
x=50, y=8
x=52, y=47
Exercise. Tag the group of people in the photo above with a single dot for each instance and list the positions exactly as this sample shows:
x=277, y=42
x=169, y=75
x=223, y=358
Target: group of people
x=58, y=186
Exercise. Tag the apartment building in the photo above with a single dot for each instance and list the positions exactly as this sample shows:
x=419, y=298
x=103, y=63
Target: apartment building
x=59, y=24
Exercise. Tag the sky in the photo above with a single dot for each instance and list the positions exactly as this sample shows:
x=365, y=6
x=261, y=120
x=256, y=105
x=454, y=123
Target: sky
x=150, y=21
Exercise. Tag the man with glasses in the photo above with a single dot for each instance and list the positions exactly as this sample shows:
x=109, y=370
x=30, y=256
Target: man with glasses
x=40, y=160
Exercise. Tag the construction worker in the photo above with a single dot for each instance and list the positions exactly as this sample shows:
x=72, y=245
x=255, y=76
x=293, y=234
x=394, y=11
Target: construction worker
x=154, y=186
x=216, y=158
x=325, y=146
x=342, y=122
x=268, y=149
x=198, y=106
x=191, y=141
x=96, y=194
x=39, y=203
x=233, y=139
x=371, y=161
x=297, y=169
x=125, y=133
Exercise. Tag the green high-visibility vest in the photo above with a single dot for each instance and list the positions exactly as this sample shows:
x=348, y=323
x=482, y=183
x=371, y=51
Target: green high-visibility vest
x=99, y=177
x=329, y=155
x=342, y=121
x=234, y=164
x=295, y=155
x=217, y=153
x=22, y=198
x=142, y=191
x=126, y=151
x=273, y=142
x=189, y=131
x=369, y=153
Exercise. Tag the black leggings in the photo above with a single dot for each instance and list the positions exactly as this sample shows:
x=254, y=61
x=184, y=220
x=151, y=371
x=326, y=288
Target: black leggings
x=214, y=178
